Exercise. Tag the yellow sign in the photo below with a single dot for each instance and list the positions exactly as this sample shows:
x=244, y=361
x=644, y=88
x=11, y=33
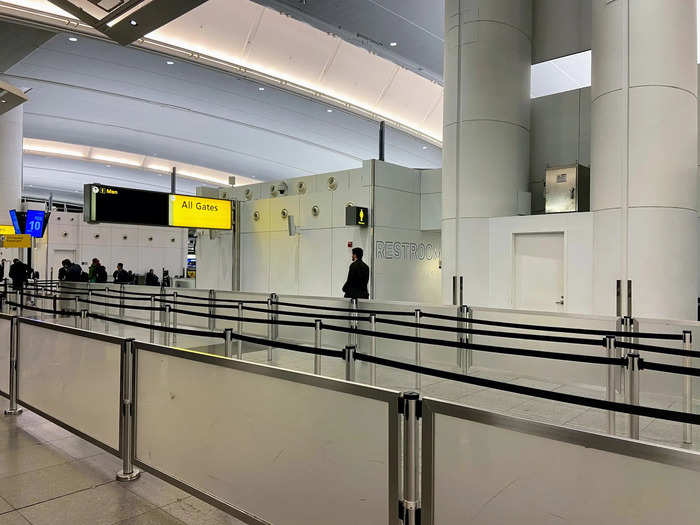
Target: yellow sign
x=7, y=230
x=199, y=212
x=16, y=241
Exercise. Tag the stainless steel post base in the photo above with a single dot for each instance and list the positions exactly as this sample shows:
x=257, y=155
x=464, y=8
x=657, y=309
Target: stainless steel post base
x=13, y=411
x=134, y=475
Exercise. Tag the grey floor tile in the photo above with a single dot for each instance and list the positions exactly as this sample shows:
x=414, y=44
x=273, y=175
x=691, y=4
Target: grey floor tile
x=5, y=506
x=77, y=447
x=13, y=437
x=548, y=411
x=154, y=517
x=450, y=390
x=30, y=458
x=103, y=505
x=536, y=383
x=494, y=400
x=155, y=491
x=46, y=431
x=13, y=518
x=105, y=464
x=193, y=511
x=48, y=483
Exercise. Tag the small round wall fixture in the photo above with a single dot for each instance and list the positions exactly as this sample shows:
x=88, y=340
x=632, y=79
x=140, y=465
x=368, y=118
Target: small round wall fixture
x=248, y=194
x=332, y=184
x=97, y=236
x=284, y=213
x=257, y=215
x=301, y=187
x=125, y=237
x=273, y=189
x=65, y=234
x=172, y=240
x=315, y=210
x=150, y=239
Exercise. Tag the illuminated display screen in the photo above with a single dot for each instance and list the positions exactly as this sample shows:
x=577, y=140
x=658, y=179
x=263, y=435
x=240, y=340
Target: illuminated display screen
x=125, y=205
x=151, y=208
x=199, y=212
x=31, y=222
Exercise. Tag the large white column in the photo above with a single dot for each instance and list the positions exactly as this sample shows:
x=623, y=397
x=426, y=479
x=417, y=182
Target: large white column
x=644, y=154
x=486, y=132
x=10, y=169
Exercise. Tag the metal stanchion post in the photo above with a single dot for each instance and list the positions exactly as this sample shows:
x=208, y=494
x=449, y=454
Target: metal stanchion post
x=610, y=384
x=373, y=348
x=166, y=334
x=89, y=300
x=13, y=410
x=462, y=339
x=76, y=312
x=212, y=311
x=687, y=387
x=55, y=305
x=128, y=471
x=173, y=313
x=417, y=347
x=317, y=345
x=84, y=320
x=633, y=391
x=106, y=310
x=20, y=301
x=352, y=337
x=350, y=362
x=240, y=330
x=228, y=343
x=269, y=328
x=152, y=330
x=470, y=336
x=121, y=300
x=411, y=465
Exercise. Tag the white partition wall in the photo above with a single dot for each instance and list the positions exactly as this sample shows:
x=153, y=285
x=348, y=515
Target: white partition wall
x=481, y=468
x=73, y=376
x=269, y=445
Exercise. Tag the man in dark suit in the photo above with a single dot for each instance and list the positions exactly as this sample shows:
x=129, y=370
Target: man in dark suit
x=358, y=277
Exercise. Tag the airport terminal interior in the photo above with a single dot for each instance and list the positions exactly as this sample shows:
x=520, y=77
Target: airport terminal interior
x=359, y=262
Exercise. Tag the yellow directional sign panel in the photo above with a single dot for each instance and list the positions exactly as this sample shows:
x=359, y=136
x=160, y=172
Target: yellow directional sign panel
x=16, y=241
x=7, y=230
x=199, y=212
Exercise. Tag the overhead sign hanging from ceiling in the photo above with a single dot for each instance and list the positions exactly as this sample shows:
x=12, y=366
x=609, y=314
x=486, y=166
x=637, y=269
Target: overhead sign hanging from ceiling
x=112, y=204
x=125, y=21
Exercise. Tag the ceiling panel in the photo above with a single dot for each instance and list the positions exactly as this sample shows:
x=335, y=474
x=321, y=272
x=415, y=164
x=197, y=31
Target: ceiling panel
x=367, y=88
x=404, y=97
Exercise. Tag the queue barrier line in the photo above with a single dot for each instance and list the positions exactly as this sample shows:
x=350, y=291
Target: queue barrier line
x=309, y=314
x=656, y=413
x=422, y=340
x=582, y=331
x=337, y=309
x=671, y=369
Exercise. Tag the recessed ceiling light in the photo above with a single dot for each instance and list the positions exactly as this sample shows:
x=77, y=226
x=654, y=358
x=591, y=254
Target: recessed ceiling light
x=261, y=89
x=393, y=44
x=169, y=62
x=133, y=23
x=425, y=147
x=108, y=165
x=3, y=101
x=329, y=110
x=72, y=39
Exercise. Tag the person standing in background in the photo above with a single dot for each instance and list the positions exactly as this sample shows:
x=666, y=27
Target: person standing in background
x=358, y=276
x=2, y=269
x=120, y=274
x=18, y=274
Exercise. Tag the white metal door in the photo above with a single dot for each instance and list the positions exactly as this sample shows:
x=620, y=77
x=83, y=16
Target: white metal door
x=539, y=271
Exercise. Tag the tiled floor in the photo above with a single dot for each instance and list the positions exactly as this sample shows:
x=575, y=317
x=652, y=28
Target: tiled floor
x=48, y=476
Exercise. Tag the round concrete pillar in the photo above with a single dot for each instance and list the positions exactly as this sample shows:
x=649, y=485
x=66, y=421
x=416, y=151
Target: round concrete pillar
x=10, y=162
x=644, y=133
x=486, y=134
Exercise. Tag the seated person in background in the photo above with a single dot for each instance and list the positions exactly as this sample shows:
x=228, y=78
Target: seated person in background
x=120, y=275
x=71, y=271
x=152, y=278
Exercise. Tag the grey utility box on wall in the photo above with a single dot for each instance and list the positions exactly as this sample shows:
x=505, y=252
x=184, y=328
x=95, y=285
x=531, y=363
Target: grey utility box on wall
x=567, y=189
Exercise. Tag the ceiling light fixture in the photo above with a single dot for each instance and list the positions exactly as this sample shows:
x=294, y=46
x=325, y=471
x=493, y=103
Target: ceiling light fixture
x=261, y=89
x=393, y=44
x=116, y=160
x=72, y=39
x=425, y=147
x=329, y=110
x=55, y=151
x=3, y=101
x=133, y=23
x=169, y=62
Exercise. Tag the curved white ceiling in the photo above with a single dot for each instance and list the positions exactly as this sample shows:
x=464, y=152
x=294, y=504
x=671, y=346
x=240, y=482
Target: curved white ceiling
x=242, y=33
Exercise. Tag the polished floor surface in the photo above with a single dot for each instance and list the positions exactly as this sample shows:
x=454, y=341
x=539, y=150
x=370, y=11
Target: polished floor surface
x=48, y=476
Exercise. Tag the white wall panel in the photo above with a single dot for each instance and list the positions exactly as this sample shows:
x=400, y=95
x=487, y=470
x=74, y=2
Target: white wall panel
x=248, y=222
x=277, y=204
x=323, y=200
x=255, y=262
x=397, y=209
x=430, y=211
x=284, y=263
x=315, y=271
x=95, y=234
x=268, y=436
x=395, y=177
x=74, y=379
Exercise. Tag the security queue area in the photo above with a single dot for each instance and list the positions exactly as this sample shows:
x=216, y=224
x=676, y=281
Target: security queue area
x=271, y=262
